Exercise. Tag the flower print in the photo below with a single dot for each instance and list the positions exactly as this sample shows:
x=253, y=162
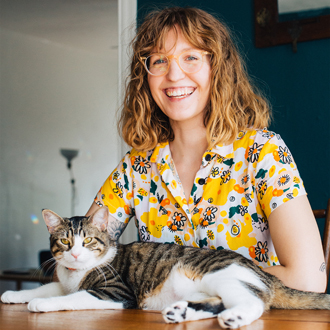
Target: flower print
x=204, y=222
x=240, y=135
x=243, y=210
x=118, y=190
x=278, y=192
x=262, y=187
x=254, y=152
x=267, y=134
x=239, y=189
x=225, y=176
x=252, y=252
x=142, y=192
x=235, y=230
x=215, y=171
x=220, y=159
x=172, y=227
x=248, y=197
x=289, y=196
x=261, y=224
x=283, y=180
x=141, y=165
x=261, y=251
x=178, y=240
x=178, y=219
x=285, y=155
x=209, y=213
x=144, y=234
x=245, y=179
x=116, y=176
x=296, y=180
x=210, y=234
x=276, y=155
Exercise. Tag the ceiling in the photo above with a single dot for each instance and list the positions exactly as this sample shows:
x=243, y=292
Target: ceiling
x=90, y=25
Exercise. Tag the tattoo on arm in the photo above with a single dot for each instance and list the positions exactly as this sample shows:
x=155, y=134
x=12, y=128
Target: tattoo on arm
x=322, y=268
x=116, y=228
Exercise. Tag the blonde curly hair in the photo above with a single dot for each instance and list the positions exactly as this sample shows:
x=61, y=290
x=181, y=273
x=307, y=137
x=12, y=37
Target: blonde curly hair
x=234, y=104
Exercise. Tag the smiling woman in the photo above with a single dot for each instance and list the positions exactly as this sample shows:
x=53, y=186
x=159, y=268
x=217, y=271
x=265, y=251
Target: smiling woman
x=196, y=126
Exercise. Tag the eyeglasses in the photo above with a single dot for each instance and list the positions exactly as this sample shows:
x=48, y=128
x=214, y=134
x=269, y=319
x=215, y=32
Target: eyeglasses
x=190, y=62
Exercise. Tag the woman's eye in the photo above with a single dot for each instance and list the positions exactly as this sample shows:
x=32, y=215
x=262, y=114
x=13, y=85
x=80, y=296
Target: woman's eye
x=87, y=240
x=65, y=241
x=191, y=58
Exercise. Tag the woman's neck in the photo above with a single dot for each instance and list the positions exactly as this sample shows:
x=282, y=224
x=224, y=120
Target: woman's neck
x=189, y=142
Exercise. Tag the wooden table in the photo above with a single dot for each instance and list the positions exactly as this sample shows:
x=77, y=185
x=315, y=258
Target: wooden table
x=17, y=317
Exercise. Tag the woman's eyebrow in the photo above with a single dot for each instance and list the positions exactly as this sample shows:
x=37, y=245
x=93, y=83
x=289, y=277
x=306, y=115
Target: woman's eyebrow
x=183, y=50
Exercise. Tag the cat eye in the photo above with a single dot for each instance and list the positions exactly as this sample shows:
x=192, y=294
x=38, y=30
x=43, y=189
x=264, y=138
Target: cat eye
x=87, y=240
x=65, y=241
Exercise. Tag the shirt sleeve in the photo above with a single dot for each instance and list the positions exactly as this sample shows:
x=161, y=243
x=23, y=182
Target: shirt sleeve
x=117, y=192
x=277, y=179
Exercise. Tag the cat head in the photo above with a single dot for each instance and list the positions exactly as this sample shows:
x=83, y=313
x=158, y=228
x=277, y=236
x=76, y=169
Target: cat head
x=80, y=242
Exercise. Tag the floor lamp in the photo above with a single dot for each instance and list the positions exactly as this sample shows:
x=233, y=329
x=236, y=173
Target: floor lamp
x=69, y=154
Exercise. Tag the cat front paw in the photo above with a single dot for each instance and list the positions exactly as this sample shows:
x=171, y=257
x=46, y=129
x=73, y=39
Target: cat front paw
x=176, y=313
x=231, y=320
x=42, y=305
x=16, y=297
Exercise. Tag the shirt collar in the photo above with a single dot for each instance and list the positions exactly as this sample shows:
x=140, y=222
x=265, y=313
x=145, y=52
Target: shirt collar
x=161, y=154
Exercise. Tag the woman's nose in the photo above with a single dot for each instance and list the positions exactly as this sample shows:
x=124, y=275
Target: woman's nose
x=174, y=71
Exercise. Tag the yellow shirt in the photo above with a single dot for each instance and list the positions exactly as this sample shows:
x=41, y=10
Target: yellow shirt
x=234, y=192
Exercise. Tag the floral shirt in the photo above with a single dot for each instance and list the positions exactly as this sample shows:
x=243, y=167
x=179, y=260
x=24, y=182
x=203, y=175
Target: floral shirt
x=235, y=190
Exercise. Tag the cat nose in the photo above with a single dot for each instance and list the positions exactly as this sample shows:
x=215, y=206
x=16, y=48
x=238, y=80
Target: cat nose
x=75, y=255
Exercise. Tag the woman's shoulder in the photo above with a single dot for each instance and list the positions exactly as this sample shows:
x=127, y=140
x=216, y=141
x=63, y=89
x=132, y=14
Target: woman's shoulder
x=257, y=137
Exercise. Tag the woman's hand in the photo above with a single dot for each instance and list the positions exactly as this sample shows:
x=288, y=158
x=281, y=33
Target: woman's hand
x=298, y=246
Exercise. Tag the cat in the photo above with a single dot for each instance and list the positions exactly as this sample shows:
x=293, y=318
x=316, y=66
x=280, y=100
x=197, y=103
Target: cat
x=186, y=283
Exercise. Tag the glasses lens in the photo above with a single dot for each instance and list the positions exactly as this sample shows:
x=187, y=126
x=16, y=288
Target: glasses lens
x=157, y=64
x=191, y=61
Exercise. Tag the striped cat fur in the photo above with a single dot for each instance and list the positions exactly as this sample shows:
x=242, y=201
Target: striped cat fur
x=185, y=283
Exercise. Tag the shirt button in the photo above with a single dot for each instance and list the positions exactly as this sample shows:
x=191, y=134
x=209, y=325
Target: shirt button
x=201, y=181
x=208, y=157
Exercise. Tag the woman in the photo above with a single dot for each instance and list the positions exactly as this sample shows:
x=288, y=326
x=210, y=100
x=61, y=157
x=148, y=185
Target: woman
x=203, y=171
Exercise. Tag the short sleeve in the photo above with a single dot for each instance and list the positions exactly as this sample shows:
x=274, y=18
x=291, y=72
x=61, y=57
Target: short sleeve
x=116, y=192
x=277, y=179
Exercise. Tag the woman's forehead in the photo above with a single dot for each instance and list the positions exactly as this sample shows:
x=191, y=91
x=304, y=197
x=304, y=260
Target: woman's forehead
x=173, y=39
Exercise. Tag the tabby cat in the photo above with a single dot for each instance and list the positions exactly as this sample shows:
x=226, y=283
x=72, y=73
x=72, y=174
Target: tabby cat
x=186, y=283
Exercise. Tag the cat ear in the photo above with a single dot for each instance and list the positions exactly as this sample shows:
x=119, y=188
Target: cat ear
x=100, y=218
x=52, y=220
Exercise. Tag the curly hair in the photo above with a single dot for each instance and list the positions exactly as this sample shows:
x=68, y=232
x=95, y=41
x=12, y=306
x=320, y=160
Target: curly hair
x=234, y=103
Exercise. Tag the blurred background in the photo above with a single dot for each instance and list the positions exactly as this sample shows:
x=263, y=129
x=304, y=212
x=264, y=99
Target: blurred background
x=62, y=66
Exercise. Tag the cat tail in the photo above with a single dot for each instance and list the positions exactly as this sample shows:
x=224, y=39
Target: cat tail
x=287, y=298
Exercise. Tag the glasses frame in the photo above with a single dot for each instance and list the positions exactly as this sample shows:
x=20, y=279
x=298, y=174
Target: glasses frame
x=176, y=57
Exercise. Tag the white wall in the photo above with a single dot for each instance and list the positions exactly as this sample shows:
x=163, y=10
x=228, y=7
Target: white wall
x=52, y=96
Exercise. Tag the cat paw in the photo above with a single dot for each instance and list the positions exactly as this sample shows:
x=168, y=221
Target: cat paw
x=229, y=319
x=15, y=297
x=176, y=313
x=42, y=305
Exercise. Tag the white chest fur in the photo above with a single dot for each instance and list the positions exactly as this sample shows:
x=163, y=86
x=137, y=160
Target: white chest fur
x=70, y=279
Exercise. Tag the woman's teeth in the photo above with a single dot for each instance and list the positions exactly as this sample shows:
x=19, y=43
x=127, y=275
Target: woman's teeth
x=182, y=92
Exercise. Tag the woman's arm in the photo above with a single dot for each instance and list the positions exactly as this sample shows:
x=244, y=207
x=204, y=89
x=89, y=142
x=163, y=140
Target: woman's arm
x=115, y=227
x=298, y=246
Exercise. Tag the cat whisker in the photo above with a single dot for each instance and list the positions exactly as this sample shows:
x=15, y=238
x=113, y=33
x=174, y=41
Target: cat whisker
x=112, y=269
x=99, y=269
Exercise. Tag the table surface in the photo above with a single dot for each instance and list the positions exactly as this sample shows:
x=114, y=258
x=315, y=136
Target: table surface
x=17, y=317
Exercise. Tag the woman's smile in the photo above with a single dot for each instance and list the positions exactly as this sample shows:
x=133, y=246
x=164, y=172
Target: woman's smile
x=178, y=93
